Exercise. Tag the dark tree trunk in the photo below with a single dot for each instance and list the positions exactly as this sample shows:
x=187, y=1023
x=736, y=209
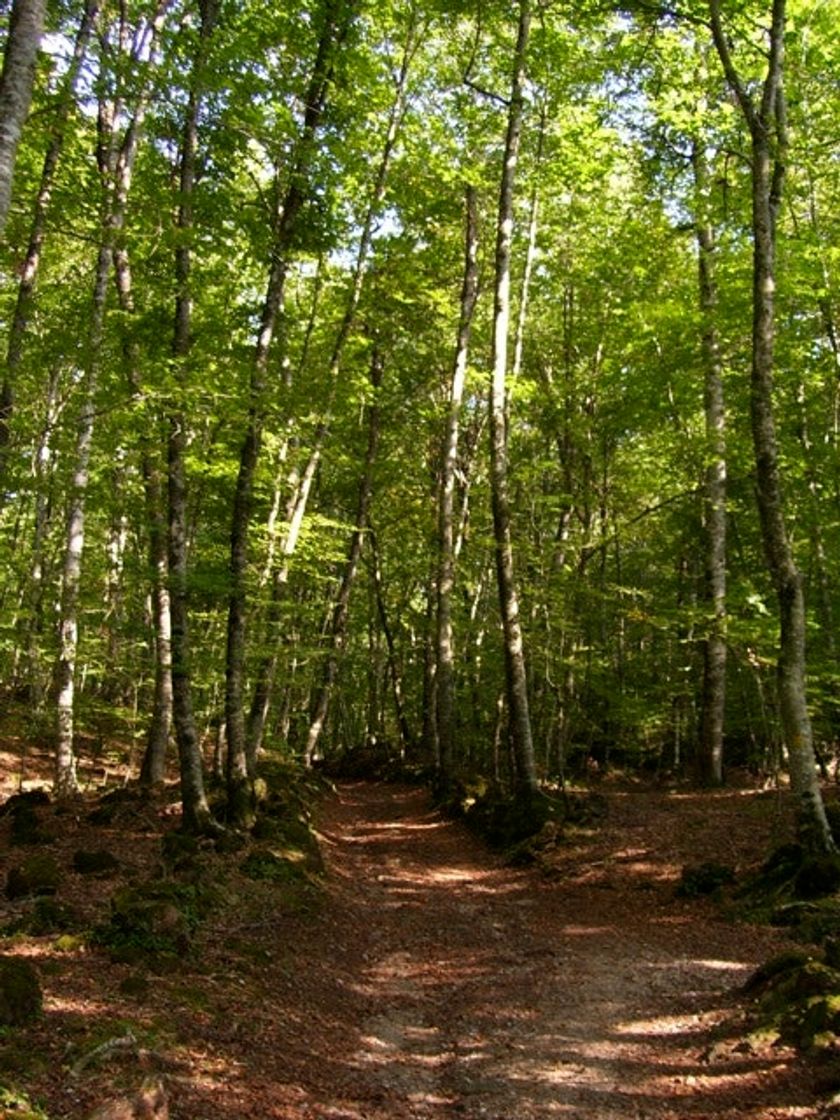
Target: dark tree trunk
x=194, y=806
x=516, y=676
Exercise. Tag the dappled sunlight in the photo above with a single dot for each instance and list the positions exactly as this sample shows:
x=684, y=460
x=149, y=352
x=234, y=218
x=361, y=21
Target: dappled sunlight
x=662, y=1025
x=586, y=931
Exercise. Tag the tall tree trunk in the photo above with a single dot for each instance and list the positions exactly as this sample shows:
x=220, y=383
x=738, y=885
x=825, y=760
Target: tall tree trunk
x=153, y=767
x=26, y=26
x=337, y=635
x=515, y=672
x=34, y=598
x=37, y=230
x=406, y=737
x=445, y=675
x=194, y=806
x=116, y=164
x=241, y=806
x=767, y=124
x=298, y=501
x=710, y=757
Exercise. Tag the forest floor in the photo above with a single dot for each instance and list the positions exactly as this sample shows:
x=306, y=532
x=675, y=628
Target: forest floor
x=427, y=979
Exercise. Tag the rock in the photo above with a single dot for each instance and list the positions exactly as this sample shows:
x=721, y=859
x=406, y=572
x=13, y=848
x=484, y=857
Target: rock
x=51, y=916
x=704, y=879
x=777, y=966
x=136, y=986
x=817, y=877
x=179, y=848
x=27, y=829
x=29, y=799
x=39, y=874
x=99, y=862
x=20, y=992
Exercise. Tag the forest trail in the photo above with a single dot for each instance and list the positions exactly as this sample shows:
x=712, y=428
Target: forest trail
x=454, y=986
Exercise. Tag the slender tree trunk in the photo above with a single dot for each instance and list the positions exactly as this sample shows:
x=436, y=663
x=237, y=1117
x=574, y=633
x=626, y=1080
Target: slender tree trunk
x=241, y=806
x=32, y=260
x=26, y=26
x=195, y=808
x=768, y=133
x=406, y=737
x=337, y=635
x=34, y=610
x=445, y=674
x=266, y=669
x=116, y=165
x=66, y=783
x=710, y=758
x=516, y=676
x=153, y=767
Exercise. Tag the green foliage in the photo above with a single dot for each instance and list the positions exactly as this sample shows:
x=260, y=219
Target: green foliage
x=606, y=441
x=17, y=1104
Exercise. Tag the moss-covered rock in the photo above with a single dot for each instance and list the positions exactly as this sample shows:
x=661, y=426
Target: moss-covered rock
x=20, y=992
x=703, y=879
x=265, y=864
x=776, y=967
x=99, y=862
x=505, y=820
x=179, y=849
x=136, y=986
x=29, y=800
x=814, y=921
x=150, y=919
x=39, y=874
x=28, y=829
x=817, y=877
x=51, y=916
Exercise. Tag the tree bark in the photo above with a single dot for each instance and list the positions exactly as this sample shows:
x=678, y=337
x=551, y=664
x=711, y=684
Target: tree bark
x=194, y=806
x=241, y=805
x=26, y=26
x=341, y=608
x=298, y=501
x=766, y=120
x=37, y=230
x=515, y=671
x=445, y=675
x=406, y=737
x=710, y=756
x=116, y=165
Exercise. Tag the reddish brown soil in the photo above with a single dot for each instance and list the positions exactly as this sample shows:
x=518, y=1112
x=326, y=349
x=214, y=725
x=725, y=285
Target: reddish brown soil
x=433, y=981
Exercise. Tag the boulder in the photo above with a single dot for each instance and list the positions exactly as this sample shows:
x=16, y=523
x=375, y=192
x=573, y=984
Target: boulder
x=20, y=992
x=39, y=874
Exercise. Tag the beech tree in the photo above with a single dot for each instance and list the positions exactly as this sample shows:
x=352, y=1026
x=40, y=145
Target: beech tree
x=553, y=476
x=26, y=25
x=767, y=122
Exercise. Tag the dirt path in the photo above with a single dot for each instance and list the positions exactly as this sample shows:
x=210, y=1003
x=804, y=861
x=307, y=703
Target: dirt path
x=457, y=987
x=426, y=979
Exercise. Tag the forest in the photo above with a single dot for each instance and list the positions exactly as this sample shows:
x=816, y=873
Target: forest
x=452, y=381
